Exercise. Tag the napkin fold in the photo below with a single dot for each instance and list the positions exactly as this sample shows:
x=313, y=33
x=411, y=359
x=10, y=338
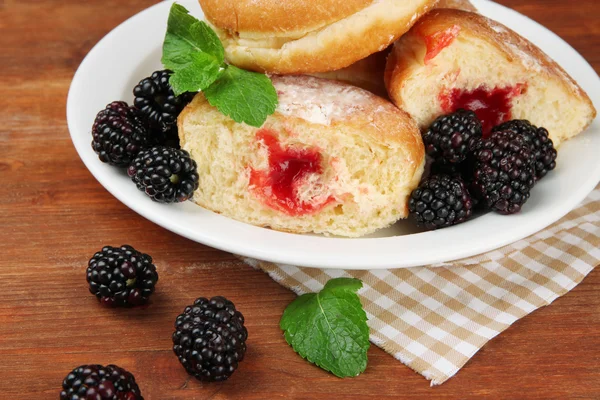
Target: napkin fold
x=435, y=318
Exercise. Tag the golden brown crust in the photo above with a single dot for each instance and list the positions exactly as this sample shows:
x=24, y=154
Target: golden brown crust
x=277, y=16
x=512, y=45
x=324, y=43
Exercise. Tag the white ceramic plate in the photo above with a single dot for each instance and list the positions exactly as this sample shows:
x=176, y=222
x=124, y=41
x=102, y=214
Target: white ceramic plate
x=133, y=50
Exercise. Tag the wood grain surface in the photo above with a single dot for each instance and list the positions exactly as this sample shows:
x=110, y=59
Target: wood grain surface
x=54, y=216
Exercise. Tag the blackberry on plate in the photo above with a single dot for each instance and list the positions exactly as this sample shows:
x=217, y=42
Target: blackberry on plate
x=440, y=201
x=121, y=276
x=118, y=134
x=451, y=137
x=210, y=339
x=166, y=175
x=503, y=172
x=543, y=149
x=441, y=167
x=155, y=98
x=97, y=382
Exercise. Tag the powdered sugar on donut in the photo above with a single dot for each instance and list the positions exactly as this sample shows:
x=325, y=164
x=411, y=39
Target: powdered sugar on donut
x=318, y=101
x=527, y=59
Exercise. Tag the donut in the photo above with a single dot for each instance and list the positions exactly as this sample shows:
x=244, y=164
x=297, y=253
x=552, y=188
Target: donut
x=333, y=159
x=301, y=37
x=453, y=59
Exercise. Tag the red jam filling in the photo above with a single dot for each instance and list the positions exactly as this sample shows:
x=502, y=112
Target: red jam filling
x=492, y=107
x=439, y=41
x=288, y=168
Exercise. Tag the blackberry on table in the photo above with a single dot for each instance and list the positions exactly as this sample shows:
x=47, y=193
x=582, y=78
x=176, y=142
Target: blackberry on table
x=166, y=175
x=543, y=149
x=451, y=137
x=441, y=201
x=504, y=172
x=118, y=134
x=121, y=276
x=210, y=339
x=98, y=382
x=155, y=98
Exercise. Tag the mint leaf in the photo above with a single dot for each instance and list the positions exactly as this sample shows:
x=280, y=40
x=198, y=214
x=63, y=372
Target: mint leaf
x=195, y=55
x=187, y=35
x=192, y=50
x=196, y=75
x=244, y=96
x=329, y=328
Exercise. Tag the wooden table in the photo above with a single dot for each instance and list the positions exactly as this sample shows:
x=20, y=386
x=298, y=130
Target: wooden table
x=54, y=216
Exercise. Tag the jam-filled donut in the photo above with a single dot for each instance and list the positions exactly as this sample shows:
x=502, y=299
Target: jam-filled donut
x=454, y=59
x=332, y=159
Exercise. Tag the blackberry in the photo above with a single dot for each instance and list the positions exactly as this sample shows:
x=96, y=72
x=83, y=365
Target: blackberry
x=503, y=172
x=155, y=98
x=441, y=167
x=451, y=137
x=166, y=175
x=121, y=276
x=98, y=382
x=544, y=152
x=118, y=134
x=210, y=339
x=440, y=201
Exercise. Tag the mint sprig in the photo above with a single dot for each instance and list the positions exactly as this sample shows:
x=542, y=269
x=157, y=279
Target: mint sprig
x=329, y=328
x=193, y=51
x=243, y=95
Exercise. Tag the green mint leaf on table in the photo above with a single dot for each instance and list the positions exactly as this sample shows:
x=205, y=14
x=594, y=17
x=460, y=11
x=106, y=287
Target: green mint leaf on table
x=243, y=96
x=329, y=328
x=193, y=51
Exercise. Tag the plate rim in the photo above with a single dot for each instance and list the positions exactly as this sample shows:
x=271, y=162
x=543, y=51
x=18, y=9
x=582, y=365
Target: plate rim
x=306, y=260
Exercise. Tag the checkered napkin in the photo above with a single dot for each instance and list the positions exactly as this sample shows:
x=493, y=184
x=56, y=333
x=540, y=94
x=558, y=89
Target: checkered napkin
x=435, y=318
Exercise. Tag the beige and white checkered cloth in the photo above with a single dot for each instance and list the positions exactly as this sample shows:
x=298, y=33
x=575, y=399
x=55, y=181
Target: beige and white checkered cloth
x=435, y=318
